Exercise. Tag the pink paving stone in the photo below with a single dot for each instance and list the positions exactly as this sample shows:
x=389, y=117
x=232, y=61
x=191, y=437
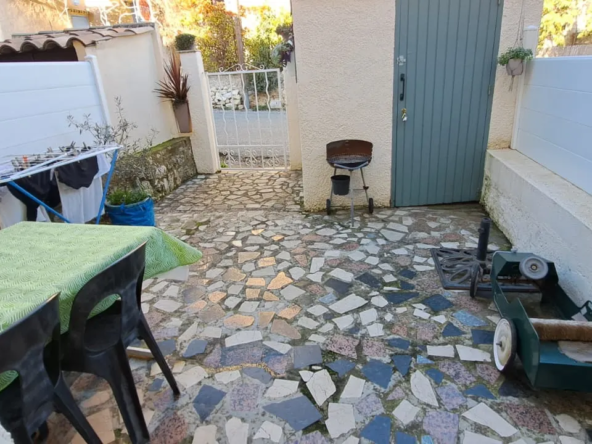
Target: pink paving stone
x=356, y=267
x=316, y=289
x=397, y=393
x=163, y=400
x=452, y=237
x=457, y=372
x=400, y=329
x=469, y=304
x=426, y=332
x=312, y=238
x=442, y=426
x=343, y=345
x=171, y=430
x=488, y=373
x=298, y=250
x=153, y=318
x=214, y=358
x=374, y=349
x=350, y=247
x=333, y=262
x=530, y=417
x=301, y=259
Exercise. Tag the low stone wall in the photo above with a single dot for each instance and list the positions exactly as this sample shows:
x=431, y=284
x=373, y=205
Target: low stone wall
x=160, y=170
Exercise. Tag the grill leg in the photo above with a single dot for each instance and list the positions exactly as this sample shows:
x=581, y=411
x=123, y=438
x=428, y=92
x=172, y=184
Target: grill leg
x=364, y=182
x=334, y=173
x=351, y=192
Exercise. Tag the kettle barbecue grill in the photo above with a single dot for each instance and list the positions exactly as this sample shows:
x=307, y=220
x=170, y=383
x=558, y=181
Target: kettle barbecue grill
x=350, y=155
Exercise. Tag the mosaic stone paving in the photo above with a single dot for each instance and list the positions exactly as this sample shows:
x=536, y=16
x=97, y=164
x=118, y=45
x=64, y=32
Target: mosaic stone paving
x=296, y=328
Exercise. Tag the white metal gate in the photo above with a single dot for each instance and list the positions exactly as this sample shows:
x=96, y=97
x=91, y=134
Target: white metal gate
x=250, y=119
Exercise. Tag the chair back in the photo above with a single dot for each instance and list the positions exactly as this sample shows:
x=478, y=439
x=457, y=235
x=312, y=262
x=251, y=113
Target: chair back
x=23, y=347
x=123, y=278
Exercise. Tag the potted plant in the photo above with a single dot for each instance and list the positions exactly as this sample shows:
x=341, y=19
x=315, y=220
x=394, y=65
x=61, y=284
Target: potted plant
x=185, y=42
x=130, y=207
x=174, y=87
x=513, y=59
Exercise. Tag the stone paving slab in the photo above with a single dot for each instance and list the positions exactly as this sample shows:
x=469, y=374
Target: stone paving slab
x=297, y=328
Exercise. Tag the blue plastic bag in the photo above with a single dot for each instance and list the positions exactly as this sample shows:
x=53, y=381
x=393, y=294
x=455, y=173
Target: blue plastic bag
x=138, y=214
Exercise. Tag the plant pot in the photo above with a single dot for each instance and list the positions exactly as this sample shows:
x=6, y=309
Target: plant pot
x=137, y=214
x=340, y=184
x=182, y=116
x=515, y=67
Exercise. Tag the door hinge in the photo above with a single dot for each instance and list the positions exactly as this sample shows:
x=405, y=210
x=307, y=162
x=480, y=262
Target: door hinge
x=490, y=90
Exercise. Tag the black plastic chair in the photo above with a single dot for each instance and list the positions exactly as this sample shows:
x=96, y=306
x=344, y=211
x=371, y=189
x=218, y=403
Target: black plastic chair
x=31, y=348
x=98, y=345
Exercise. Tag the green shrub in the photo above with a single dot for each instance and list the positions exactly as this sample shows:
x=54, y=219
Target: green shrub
x=184, y=42
x=514, y=53
x=127, y=197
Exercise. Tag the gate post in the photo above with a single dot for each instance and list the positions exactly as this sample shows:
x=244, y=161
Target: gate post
x=291, y=89
x=203, y=140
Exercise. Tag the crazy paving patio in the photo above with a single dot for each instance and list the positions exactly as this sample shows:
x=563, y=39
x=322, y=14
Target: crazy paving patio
x=296, y=328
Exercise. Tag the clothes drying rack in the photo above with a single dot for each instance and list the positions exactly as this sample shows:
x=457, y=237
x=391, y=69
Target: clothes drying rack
x=39, y=162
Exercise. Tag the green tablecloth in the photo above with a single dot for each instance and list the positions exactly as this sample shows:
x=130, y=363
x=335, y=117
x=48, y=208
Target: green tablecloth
x=38, y=260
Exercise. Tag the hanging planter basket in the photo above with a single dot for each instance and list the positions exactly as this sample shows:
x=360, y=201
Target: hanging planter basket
x=182, y=116
x=515, y=67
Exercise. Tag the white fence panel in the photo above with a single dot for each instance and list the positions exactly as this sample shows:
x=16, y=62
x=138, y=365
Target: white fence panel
x=555, y=121
x=35, y=101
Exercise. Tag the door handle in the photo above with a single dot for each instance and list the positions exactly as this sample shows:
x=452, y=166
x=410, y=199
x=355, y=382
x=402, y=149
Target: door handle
x=402, y=95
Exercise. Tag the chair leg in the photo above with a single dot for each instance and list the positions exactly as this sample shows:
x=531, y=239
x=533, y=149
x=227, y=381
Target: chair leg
x=146, y=334
x=67, y=406
x=124, y=389
x=20, y=435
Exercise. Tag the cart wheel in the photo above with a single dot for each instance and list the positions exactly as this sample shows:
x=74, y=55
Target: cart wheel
x=328, y=207
x=370, y=205
x=534, y=268
x=475, y=279
x=505, y=342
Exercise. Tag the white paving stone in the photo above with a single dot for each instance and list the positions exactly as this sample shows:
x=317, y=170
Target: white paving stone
x=348, y=303
x=482, y=414
x=342, y=275
x=326, y=232
x=440, y=319
x=386, y=267
x=372, y=260
x=237, y=432
x=191, y=377
x=475, y=438
x=444, y=351
x=375, y=330
x=172, y=291
x=368, y=316
x=422, y=389
x=321, y=386
x=389, y=278
x=568, y=423
x=248, y=306
x=393, y=236
x=343, y=322
x=317, y=338
x=351, y=440
x=420, y=306
x=243, y=337
x=379, y=301
x=353, y=389
x=570, y=440
x=317, y=310
x=316, y=264
x=316, y=277
x=269, y=430
x=357, y=256
x=205, y=435
x=388, y=317
x=278, y=346
x=406, y=412
x=212, y=332
x=400, y=310
x=472, y=354
x=327, y=328
x=398, y=227
x=423, y=268
x=308, y=323
x=281, y=388
x=167, y=305
x=421, y=314
x=296, y=273
x=226, y=377
x=400, y=252
x=291, y=292
x=306, y=375
x=232, y=301
x=341, y=419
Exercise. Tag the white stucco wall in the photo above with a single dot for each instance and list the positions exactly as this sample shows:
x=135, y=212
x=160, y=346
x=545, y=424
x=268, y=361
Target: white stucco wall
x=130, y=68
x=345, y=88
x=542, y=213
x=517, y=15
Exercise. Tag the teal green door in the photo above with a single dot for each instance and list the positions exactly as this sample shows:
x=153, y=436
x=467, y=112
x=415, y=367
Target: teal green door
x=445, y=61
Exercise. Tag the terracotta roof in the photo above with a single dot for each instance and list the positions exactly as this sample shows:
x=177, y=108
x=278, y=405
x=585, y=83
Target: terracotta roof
x=65, y=39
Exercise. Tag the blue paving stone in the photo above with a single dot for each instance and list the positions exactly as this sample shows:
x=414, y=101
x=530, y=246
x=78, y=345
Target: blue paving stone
x=195, y=347
x=408, y=274
x=298, y=412
x=257, y=373
x=422, y=347
x=427, y=440
x=167, y=347
x=354, y=330
x=482, y=337
x=378, y=372
x=437, y=302
x=404, y=285
x=451, y=330
x=403, y=344
x=369, y=280
x=341, y=366
x=242, y=354
x=337, y=285
x=328, y=299
x=423, y=360
x=378, y=430
x=436, y=375
x=306, y=355
x=277, y=362
x=399, y=298
x=404, y=438
x=402, y=362
x=468, y=319
x=206, y=401
x=480, y=391
x=156, y=385
x=371, y=235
